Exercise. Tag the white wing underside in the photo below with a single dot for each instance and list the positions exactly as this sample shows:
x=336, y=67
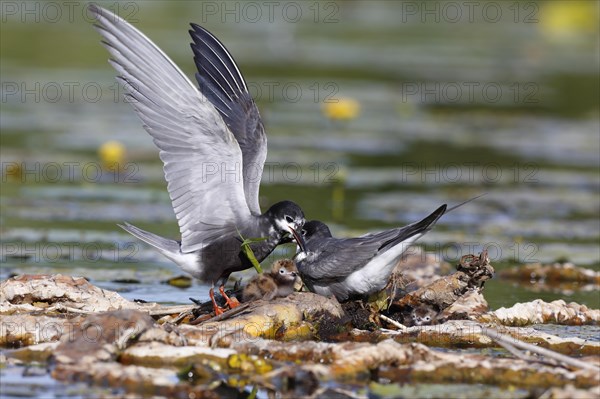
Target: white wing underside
x=202, y=159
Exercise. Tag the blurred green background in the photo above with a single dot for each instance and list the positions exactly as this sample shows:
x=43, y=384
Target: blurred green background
x=376, y=112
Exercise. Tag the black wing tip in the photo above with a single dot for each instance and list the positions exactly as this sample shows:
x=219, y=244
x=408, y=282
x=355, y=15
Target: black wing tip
x=194, y=34
x=196, y=27
x=199, y=33
x=432, y=219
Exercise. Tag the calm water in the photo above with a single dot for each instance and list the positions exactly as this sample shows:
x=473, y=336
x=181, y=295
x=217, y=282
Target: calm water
x=445, y=114
x=449, y=107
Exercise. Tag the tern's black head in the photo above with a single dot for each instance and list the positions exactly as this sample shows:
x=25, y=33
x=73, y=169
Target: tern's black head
x=286, y=215
x=315, y=229
x=311, y=229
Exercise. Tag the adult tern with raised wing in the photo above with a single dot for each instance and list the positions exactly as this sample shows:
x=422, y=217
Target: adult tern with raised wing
x=213, y=146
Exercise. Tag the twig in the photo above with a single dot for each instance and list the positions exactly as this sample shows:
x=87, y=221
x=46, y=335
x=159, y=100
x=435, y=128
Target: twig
x=166, y=310
x=121, y=342
x=393, y=322
x=514, y=351
x=504, y=339
x=227, y=314
x=62, y=308
x=523, y=356
x=182, y=316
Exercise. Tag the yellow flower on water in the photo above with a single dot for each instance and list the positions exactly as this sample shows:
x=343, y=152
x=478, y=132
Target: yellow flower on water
x=568, y=18
x=344, y=109
x=13, y=171
x=112, y=155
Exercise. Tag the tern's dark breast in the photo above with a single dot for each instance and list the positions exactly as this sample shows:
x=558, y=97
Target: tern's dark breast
x=225, y=256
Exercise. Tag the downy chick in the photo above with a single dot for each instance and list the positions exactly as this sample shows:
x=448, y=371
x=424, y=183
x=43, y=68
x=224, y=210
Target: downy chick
x=423, y=316
x=279, y=282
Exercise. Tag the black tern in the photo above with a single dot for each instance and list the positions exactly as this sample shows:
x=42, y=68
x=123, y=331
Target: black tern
x=279, y=282
x=354, y=267
x=208, y=138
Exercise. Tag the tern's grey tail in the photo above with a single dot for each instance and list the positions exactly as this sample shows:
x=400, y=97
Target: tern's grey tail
x=164, y=245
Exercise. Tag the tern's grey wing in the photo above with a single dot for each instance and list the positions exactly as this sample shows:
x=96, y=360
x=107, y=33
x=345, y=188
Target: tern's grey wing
x=222, y=83
x=339, y=258
x=415, y=230
x=198, y=150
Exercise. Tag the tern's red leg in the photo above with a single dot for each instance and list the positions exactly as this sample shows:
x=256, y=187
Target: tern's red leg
x=218, y=310
x=231, y=302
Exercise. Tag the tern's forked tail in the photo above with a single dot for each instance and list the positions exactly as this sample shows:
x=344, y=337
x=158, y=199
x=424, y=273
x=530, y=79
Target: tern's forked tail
x=164, y=245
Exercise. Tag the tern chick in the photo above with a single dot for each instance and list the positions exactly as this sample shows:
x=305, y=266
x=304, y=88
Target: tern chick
x=423, y=316
x=279, y=282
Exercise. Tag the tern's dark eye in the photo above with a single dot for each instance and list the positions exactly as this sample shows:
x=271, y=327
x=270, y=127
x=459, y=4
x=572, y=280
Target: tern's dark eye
x=289, y=219
x=304, y=232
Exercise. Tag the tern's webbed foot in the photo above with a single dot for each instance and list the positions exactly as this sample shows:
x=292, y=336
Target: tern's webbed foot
x=231, y=302
x=216, y=308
